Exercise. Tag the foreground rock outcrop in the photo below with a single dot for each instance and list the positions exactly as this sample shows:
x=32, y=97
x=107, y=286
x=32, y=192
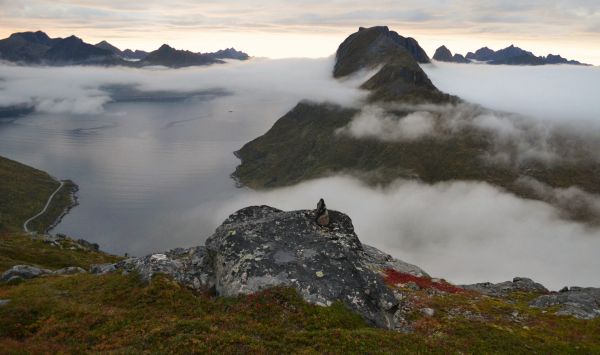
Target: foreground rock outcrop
x=579, y=302
x=261, y=247
x=24, y=272
x=518, y=284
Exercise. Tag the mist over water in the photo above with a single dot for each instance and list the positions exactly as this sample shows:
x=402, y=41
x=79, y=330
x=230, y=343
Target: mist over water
x=145, y=146
x=563, y=94
x=154, y=174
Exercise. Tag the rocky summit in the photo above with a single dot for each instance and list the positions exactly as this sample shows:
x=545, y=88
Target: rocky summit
x=397, y=58
x=261, y=247
x=443, y=54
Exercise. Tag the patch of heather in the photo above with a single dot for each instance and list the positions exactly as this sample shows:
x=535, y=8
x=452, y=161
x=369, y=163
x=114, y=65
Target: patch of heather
x=394, y=278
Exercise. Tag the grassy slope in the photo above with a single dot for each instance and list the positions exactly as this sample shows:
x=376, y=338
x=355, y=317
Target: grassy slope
x=117, y=313
x=24, y=192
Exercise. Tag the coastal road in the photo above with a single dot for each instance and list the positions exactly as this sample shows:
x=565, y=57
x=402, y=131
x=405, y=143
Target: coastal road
x=25, y=228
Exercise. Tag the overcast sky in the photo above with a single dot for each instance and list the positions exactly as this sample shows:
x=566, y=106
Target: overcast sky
x=314, y=28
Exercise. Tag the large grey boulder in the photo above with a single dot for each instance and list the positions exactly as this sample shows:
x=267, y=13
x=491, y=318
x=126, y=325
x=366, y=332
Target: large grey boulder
x=582, y=303
x=23, y=272
x=502, y=289
x=261, y=247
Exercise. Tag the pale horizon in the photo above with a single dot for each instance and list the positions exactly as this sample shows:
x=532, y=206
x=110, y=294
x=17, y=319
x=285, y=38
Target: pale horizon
x=315, y=29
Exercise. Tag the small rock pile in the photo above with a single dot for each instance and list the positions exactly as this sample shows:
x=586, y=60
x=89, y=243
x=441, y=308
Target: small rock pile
x=24, y=272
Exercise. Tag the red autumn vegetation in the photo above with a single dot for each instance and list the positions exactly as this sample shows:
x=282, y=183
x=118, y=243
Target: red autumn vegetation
x=393, y=278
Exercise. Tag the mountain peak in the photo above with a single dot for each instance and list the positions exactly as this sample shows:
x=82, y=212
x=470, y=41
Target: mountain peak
x=73, y=39
x=109, y=47
x=400, y=76
x=374, y=28
x=35, y=37
x=442, y=54
x=166, y=47
x=373, y=46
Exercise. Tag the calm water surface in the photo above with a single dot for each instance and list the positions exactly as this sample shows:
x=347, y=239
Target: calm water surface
x=142, y=166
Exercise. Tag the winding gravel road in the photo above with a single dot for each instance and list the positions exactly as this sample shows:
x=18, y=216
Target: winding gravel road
x=25, y=228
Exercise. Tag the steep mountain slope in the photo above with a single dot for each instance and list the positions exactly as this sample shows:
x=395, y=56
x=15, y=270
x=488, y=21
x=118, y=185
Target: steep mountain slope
x=316, y=140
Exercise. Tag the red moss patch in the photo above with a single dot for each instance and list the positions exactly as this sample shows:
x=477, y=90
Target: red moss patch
x=393, y=278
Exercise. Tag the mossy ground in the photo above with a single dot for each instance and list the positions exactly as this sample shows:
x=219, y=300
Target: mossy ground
x=117, y=313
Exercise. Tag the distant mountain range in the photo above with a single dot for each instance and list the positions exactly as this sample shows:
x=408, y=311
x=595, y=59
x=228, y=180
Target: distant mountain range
x=39, y=49
x=510, y=55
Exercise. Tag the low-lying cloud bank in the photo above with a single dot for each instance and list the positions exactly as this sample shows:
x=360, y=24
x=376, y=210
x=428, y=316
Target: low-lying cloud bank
x=564, y=94
x=465, y=232
x=82, y=90
x=514, y=140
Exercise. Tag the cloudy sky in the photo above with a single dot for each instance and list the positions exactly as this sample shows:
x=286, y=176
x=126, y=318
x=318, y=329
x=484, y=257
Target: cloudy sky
x=286, y=28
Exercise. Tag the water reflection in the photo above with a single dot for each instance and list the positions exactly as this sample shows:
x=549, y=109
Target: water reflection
x=142, y=165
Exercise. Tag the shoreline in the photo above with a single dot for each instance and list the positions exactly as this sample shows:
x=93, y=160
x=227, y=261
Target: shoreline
x=73, y=190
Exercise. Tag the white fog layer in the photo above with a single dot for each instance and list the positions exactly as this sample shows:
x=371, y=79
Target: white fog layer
x=558, y=93
x=154, y=174
x=465, y=232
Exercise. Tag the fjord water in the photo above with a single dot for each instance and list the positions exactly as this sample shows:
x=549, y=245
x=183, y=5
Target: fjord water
x=140, y=166
x=152, y=149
